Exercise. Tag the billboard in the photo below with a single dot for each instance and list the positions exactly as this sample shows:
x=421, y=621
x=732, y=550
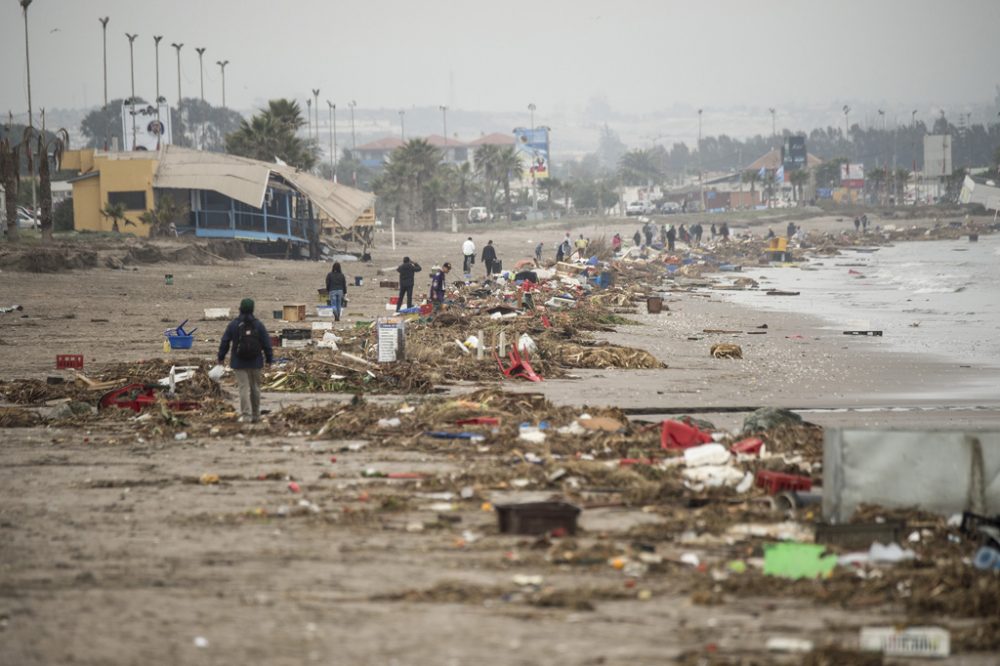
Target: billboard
x=150, y=132
x=793, y=153
x=852, y=175
x=532, y=146
x=937, y=155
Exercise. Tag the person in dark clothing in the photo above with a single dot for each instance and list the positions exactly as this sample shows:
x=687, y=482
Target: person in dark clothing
x=790, y=231
x=724, y=231
x=713, y=230
x=336, y=289
x=538, y=253
x=697, y=230
x=250, y=344
x=437, y=286
x=490, y=258
x=770, y=234
x=671, y=238
x=637, y=239
x=647, y=230
x=406, y=271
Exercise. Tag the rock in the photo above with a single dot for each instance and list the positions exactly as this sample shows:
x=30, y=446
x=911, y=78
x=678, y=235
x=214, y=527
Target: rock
x=767, y=418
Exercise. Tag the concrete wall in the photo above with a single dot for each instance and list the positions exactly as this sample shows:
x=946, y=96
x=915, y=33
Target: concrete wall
x=116, y=172
x=941, y=472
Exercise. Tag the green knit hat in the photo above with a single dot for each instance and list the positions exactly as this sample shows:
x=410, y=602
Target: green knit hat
x=246, y=306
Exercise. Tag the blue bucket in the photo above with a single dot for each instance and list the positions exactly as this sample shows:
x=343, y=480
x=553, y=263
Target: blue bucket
x=180, y=341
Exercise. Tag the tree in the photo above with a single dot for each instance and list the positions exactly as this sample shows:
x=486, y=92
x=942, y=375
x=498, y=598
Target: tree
x=550, y=185
x=57, y=144
x=799, y=179
x=902, y=177
x=271, y=134
x=509, y=168
x=415, y=181
x=487, y=160
x=750, y=176
x=104, y=125
x=10, y=176
x=115, y=212
x=165, y=216
x=638, y=167
x=769, y=182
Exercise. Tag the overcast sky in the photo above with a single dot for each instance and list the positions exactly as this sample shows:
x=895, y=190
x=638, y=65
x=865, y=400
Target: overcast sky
x=641, y=55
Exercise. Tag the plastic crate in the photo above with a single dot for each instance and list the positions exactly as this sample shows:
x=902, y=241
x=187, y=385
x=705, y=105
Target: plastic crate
x=861, y=535
x=537, y=517
x=775, y=482
x=180, y=341
x=69, y=361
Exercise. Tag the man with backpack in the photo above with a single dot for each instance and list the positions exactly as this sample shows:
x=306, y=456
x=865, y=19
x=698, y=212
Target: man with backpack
x=250, y=345
x=406, y=271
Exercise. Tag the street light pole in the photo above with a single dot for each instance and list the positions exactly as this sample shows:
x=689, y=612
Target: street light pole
x=31, y=125
x=331, y=106
x=402, y=126
x=156, y=41
x=701, y=172
x=131, y=64
x=444, y=128
x=201, y=70
x=774, y=127
x=222, y=65
x=104, y=31
x=336, y=157
x=178, y=47
x=531, y=108
x=316, y=99
x=354, y=138
x=309, y=118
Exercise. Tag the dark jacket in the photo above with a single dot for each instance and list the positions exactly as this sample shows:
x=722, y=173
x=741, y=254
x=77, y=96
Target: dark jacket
x=335, y=281
x=489, y=254
x=229, y=339
x=406, y=271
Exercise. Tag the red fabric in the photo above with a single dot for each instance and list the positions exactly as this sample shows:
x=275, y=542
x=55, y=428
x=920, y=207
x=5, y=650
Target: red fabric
x=677, y=435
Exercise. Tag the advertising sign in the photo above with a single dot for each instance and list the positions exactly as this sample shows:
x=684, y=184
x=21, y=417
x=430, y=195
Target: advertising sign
x=937, y=155
x=852, y=175
x=150, y=132
x=532, y=146
x=793, y=153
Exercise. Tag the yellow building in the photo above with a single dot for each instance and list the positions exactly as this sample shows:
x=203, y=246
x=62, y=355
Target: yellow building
x=125, y=178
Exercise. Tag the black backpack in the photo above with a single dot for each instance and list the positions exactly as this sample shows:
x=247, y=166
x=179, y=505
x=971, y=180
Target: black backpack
x=248, y=345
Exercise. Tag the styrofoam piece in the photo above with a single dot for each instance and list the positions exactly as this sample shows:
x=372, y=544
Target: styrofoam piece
x=322, y=325
x=217, y=313
x=909, y=642
x=707, y=454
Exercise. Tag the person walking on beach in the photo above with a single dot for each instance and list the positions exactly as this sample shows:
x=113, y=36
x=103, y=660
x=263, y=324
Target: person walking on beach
x=437, y=286
x=469, y=255
x=248, y=340
x=616, y=243
x=406, y=272
x=538, y=253
x=790, y=230
x=724, y=231
x=697, y=231
x=336, y=289
x=490, y=259
x=714, y=231
x=581, y=247
x=647, y=230
x=637, y=239
x=857, y=224
x=671, y=237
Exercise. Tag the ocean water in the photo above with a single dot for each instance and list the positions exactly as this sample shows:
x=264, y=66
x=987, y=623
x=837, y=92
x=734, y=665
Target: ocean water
x=939, y=298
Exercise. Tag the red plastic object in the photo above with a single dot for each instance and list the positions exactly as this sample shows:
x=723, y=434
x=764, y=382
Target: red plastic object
x=520, y=366
x=479, y=420
x=138, y=397
x=426, y=309
x=294, y=487
x=748, y=446
x=69, y=361
x=776, y=482
x=677, y=435
x=545, y=321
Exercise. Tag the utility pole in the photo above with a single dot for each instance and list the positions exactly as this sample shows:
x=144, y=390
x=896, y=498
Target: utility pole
x=402, y=126
x=156, y=41
x=701, y=172
x=336, y=158
x=31, y=124
x=309, y=118
x=847, y=125
x=104, y=31
x=331, y=106
x=178, y=47
x=531, y=108
x=316, y=107
x=222, y=65
x=444, y=125
x=131, y=64
x=354, y=138
x=774, y=127
x=201, y=70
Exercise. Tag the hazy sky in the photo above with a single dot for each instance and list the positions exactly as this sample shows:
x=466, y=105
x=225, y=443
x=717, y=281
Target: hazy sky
x=641, y=55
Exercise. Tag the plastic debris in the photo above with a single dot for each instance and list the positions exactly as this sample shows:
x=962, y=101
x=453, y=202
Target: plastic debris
x=798, y=560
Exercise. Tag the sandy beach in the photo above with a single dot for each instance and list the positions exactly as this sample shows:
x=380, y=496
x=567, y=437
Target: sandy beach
x=113, y=552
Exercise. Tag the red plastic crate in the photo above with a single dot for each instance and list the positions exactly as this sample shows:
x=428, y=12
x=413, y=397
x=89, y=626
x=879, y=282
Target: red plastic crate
x=69, y=361
x=776, y=482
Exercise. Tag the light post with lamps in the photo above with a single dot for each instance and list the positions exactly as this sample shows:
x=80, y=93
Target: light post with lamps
x=104, y=31
x=131, y=64
x=309, y=118
x=201, y=70
x=156, y=42
x=333, y=122
x=774, y=127
x=31, y=124
x=316, y=99
x=444, y=126
x=402, y=126
x=178, y=47
x=331, y=106
x=701, y=172
x=354, y=138
x=222, y=66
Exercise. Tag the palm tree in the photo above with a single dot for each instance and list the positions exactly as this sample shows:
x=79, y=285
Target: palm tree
x=750, y=176
x=407, y=175
x=58, y=143
x=115, y=212
x=639, y=167
x=902, y=177
x=271, y=133
x=768, y=182
x=551, y=184
x=799, y=179
x=487, y=160
x=508, y=168
x=162, y=220
x=11, y=178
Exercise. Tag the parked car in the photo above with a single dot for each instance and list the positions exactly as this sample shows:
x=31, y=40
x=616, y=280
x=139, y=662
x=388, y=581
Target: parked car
x=670, y=207
x=639, y=208
x=520, y=213
x=479, y=214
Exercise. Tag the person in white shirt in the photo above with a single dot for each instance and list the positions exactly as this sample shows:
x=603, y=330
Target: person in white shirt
x=469, y=253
